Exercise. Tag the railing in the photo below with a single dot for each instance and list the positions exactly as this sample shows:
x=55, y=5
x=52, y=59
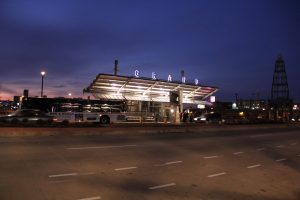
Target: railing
x=140, y=116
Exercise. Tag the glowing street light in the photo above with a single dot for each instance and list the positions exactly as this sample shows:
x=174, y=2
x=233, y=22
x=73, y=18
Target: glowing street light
x=43, y=73
x=70, y=94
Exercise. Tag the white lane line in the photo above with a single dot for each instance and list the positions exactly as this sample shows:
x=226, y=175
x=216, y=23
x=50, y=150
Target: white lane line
x=239, y=152
x=91, y=198
x=280, y=160
x=295, y=143
x=209, y=157
x=218, y=174
x=173, y=162
x=125, y=168
x=101, y=147
x=280, y=146
x=169, y=163
x=161, y=186
x=260, y=149
x=70, y=174
x=253, y=166
x=62, y=175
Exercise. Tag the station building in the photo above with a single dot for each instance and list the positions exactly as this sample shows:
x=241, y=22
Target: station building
x=151, y=96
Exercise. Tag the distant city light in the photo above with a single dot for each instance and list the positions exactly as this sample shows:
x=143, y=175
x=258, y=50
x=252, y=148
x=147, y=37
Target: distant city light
x=212, y=99
x=70, y=94
x=295, y=107
x=234, y=106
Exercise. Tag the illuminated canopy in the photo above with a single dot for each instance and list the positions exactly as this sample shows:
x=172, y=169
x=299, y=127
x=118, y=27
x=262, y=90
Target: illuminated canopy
x=107, y=86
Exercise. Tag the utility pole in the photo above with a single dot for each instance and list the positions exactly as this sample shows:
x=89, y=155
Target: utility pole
x=116, y=69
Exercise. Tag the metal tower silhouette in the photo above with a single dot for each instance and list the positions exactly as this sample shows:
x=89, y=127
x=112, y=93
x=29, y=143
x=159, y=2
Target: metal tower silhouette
x=280, y=88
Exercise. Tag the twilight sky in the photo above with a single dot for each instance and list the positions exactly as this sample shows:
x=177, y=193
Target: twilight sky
x=229, y=44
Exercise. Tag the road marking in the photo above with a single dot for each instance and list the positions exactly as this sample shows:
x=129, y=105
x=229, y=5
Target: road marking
x=70, y=174
x=239, y=152
x=209, y=157
x=125, y=168
x=282, y=159
x=161, y=186
x=91, y=198
x=62, y=175
x=295, y=143
x=173, y=162
x=169, y=163
x=280, y=146
x=101, y=147
x=253, y=166
x=218, y=174
x=260, y=149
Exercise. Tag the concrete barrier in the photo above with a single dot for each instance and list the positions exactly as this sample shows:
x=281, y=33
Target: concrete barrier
x=133, y=129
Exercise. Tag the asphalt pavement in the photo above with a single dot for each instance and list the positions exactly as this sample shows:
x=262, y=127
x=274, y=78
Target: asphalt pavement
x=218, y=163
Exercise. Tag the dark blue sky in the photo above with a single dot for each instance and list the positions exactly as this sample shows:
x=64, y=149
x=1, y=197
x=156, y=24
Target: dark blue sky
x=229, y=44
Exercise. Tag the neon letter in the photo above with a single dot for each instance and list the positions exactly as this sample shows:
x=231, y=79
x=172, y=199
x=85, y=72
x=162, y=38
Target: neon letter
x=153, y=75
x=137, y=73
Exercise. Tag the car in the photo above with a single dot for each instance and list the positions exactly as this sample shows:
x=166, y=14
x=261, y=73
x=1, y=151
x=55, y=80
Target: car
x=295, y=118
x=210, y=118
x=27, y=116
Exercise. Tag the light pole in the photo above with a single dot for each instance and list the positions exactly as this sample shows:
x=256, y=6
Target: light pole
x=42, y=90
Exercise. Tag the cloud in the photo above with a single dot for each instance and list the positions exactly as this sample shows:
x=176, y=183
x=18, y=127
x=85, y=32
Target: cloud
x=6, y=89
x=58, y=86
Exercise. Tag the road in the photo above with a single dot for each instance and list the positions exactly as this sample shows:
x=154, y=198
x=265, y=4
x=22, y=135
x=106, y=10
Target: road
x=217, y=165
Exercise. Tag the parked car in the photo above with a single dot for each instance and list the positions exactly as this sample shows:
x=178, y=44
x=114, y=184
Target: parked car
x=210, y=118
x=27, y=116
x=295, y=118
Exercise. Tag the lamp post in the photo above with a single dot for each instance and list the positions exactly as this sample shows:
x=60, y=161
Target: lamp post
x=42, y=90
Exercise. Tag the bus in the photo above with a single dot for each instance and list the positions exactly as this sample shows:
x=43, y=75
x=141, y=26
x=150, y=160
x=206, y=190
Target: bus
x=78, y=110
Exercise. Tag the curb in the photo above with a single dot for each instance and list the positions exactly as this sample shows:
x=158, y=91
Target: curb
x=132, y=130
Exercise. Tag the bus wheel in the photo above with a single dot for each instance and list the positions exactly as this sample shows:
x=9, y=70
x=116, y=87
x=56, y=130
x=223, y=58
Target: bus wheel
x=104, y=120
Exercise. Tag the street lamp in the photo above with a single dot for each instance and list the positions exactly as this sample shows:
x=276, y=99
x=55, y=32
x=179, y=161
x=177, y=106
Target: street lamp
x=42, y=90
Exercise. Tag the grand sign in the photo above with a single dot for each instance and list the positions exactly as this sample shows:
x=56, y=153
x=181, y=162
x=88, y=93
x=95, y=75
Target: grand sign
x=154, y=77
